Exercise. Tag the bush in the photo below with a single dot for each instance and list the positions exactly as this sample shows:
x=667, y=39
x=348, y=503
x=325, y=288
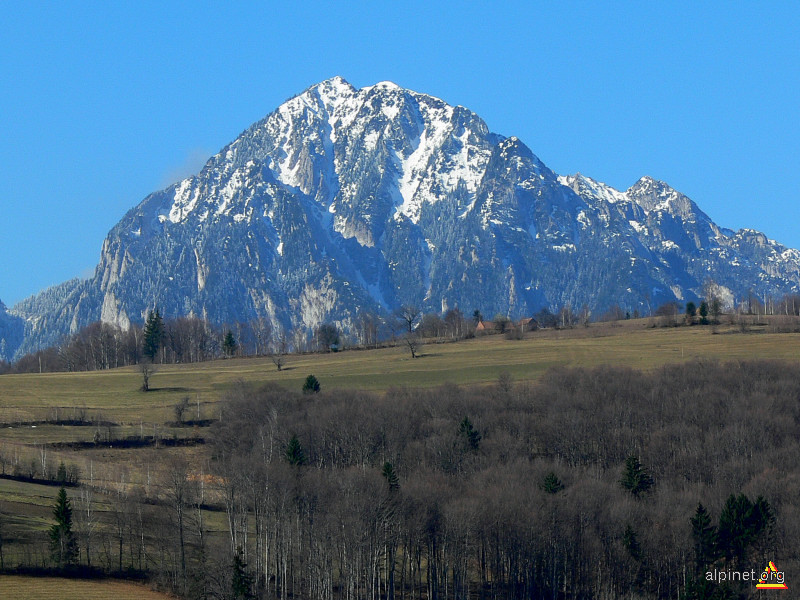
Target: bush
x=311, y=385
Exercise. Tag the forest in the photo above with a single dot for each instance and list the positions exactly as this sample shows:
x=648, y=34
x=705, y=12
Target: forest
x=591, y=483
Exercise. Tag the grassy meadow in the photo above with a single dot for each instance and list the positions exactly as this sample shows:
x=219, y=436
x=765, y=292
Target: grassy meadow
x=36, y=588
x=115, y=395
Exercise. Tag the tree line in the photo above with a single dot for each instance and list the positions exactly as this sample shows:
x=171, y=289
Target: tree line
x=191, y=339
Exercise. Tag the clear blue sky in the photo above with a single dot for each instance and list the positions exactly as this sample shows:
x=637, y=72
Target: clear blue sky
x=103, y=103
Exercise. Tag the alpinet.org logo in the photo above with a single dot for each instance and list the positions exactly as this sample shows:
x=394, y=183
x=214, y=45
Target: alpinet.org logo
x=772, y=579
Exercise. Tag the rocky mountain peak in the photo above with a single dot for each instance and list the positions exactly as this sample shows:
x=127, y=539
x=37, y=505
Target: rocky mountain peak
x=343, y=201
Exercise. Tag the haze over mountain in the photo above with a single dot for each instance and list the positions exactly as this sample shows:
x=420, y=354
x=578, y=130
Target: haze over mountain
x=345, y=200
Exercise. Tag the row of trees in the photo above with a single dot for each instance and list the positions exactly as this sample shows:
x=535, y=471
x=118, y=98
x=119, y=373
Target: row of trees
x=186, y=339
x=191, y=339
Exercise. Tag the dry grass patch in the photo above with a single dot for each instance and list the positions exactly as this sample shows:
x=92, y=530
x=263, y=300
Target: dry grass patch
x=39, y=588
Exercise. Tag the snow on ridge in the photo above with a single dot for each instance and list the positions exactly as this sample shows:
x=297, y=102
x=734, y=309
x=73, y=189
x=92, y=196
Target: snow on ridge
x=436, y=128
x=597, y=189
x=184, y=200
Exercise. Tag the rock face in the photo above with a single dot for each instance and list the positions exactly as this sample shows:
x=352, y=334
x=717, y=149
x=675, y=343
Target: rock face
x=12, y=330
x=345, y=200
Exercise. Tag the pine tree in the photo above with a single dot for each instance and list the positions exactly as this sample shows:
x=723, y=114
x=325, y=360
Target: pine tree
x=229, y=344
x=741, y=523
x=153, y=335
x=552, y=484
x=390, y=476
x=705, y=538
x=295, y=455
x=311, y=385
x=63, y=547
x=635, y=477
x=704, y=312
x=471, y=436
x=631, y=543
x=61, y=474
x=242, y=581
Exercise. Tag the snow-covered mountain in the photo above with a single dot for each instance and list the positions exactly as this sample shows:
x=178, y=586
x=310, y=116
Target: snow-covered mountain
x=344, y=200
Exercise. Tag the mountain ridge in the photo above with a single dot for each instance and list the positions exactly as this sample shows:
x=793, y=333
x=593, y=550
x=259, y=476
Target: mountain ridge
x=346, y=200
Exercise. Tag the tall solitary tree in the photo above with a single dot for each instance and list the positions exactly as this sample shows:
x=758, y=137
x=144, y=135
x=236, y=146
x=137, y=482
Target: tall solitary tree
x=153, y=334
x=63, y=547
x=229, y=344
x=409, y=315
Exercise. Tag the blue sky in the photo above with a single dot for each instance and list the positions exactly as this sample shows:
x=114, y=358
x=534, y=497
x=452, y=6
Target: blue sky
x=103, y=103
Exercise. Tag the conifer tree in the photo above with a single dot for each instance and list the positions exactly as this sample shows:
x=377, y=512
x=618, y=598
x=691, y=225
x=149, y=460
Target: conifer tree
x=740, y=525
x=153, y=335
x=704, y=312
x=61, y=474
x=229, y=344
x=705, y=538
x=295, y=455
x=635, y=477
x=471, y=436
x=552, y=484
x=631, y=543
x=390, y=476
x=63, y=547
x=311, y=385
x=242, y=581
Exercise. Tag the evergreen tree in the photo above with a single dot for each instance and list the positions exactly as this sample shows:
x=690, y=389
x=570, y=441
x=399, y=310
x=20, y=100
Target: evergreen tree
x=704, y=312
x=61, y=474
x=63, y=546
x=311, y=385
x=631, y=543
x=552, y=484
x=390, y=476
x=471, y=437
x=153, y=334
x=295, y=455
x=635, y=477
x=740, y=525
x=705, y=539
x=229, y=344
x=242, y=581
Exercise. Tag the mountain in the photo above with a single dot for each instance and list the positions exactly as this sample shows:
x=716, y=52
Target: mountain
x=12, y=330
x=346, y=200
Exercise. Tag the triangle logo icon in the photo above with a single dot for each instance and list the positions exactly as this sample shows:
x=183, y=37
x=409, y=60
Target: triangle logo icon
x=771, y=579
